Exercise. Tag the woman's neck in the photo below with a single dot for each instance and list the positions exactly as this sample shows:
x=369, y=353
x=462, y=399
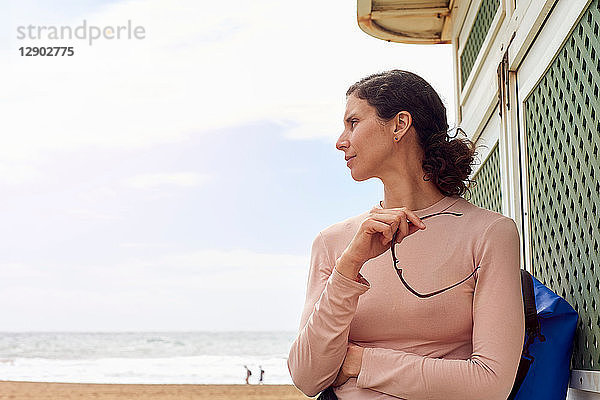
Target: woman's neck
x=413, y=199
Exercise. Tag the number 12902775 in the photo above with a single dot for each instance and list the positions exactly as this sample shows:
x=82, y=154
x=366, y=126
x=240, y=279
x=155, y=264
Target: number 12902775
x=46, y=51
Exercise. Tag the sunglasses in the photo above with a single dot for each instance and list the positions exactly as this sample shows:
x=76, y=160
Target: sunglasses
x=399, y=270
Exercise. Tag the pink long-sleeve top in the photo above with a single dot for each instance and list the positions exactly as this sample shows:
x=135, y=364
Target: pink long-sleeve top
x=462, y=344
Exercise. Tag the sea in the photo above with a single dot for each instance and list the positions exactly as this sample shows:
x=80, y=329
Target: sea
x=146, y=357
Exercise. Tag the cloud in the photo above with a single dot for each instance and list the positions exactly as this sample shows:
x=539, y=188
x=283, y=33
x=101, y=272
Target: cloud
x=203, y=66
x=18, y=173
x=90, y=214
x=152, y=181
x=19, y=270
x=143, y=245
x=80, y=132
x=167, y=268
x=234, y=258
x=196, y=290
x=97, y=194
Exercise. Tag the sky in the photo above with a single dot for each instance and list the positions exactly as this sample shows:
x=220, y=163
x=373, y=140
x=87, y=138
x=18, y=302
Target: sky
x=176, y=182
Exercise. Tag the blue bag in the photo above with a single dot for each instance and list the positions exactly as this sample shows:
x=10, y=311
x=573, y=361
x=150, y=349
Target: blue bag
x=544, y=369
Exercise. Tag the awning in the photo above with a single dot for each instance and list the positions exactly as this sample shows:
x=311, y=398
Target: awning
x=407, y=21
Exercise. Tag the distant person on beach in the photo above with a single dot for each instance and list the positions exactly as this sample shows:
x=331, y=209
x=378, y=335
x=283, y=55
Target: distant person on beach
x=248, y=374
x=262, y=372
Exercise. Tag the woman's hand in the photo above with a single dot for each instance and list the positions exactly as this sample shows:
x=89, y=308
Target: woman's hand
x=351, y=366
x=375, y=234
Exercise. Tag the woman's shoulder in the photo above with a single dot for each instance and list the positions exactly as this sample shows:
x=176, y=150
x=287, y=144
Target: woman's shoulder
x=483, y=221
x=479, y=215
x=342, y=232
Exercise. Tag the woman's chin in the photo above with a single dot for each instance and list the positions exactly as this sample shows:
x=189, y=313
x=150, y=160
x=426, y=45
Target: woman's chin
x=358, y=177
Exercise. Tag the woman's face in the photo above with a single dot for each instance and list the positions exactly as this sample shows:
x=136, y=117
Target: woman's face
x=366, y=141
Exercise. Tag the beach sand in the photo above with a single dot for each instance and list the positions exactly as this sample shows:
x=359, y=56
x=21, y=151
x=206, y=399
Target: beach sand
x=82, y=391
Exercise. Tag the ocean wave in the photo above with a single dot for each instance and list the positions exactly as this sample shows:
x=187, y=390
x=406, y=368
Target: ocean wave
x=193, y=370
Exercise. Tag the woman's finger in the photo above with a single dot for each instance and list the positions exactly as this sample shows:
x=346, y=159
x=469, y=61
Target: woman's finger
x=376, y=226
x=403, y=228
x=340, y=379
x=393, y=228
x=391, y=220
x=397, y=220
x=411, y=229
x=410, y=215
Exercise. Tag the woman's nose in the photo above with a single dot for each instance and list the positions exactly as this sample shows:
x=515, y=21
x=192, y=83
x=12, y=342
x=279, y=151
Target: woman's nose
x=342, y=142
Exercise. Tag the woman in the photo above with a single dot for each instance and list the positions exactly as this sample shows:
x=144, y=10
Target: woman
x=373, y=331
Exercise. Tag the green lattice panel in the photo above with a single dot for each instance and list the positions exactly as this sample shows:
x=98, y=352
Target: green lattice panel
x=486, y=191
x=563, y=140
x=481, y=26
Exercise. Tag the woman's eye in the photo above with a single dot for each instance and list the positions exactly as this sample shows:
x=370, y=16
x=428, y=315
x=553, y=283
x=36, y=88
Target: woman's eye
x=353, y=122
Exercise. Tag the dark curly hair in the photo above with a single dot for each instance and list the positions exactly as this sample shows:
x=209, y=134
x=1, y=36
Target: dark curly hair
x=447, y=163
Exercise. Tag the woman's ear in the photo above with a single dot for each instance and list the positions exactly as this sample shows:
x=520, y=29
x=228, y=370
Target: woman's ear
x=402, y=122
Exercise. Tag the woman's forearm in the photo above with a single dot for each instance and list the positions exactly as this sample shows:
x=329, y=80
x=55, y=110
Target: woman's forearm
x=320, y=347
x=318, y=351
